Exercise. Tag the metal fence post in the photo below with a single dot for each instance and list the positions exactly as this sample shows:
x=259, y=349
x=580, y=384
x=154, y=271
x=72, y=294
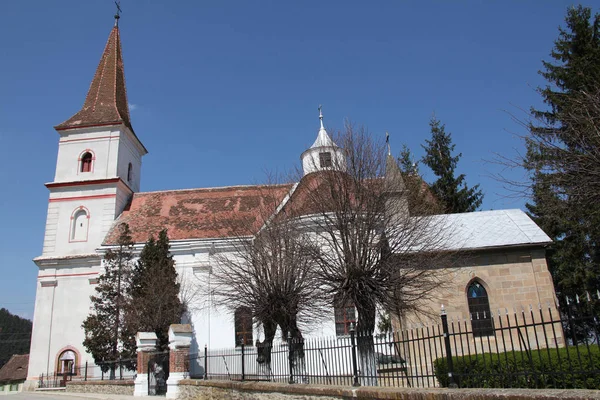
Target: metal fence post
x=354, y=364
x=86, y=366
x=243, y=364
x=451, y=382
x=290, y=360
x=205, y=362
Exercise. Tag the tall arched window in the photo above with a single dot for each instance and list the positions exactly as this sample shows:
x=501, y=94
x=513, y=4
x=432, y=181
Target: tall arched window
x=243, y=326
x=86, y=162
x=479, y=308
x=129, y=172
x=79, y=225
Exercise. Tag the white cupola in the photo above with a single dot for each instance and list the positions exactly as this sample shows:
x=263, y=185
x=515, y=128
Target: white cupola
x=324, y=154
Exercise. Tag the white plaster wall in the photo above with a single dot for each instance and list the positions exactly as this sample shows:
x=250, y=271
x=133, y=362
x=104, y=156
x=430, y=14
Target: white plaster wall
x=129, y=153
x=311, y=161
x=59, y=224
x=113, y=150
x=104, y=146
x=59, y=313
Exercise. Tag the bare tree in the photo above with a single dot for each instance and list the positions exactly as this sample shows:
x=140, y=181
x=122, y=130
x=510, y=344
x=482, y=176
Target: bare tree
x=269, y=273
x=375, y=244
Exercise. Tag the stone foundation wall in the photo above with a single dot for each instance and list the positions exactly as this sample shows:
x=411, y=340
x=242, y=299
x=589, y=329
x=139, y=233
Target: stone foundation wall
x=103, y=387
x=215, y=390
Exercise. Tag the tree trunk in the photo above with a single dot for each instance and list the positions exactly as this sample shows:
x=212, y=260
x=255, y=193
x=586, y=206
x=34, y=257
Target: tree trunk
x=296, y=354
x=367, y=362
x=264, y=350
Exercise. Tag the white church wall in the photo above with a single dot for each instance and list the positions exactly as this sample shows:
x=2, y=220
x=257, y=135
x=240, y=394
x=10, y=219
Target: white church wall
x=61, y=237
x=311, y=159
x=129, y=153
x=62, y=303
x=101, y=142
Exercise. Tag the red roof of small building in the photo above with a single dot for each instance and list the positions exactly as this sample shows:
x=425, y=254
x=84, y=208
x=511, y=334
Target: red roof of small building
x=199, y=213
x=15, y=369
x=106, y=101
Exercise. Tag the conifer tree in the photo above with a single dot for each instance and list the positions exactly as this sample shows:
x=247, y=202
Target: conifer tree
x=104, y=325
x=450, y=190
x=407, y=162
x=562, y=150
x=153, y=303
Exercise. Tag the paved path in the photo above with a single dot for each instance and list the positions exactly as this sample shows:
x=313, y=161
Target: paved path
x=68, y=396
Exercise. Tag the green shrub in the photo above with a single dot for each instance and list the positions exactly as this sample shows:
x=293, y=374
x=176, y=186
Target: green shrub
x=545, y=368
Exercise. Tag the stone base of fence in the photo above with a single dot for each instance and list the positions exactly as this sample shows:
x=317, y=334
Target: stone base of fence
x=102, y=387
x=193, y=389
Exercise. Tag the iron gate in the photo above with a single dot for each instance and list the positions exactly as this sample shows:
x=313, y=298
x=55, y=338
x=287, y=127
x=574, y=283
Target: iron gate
x=158, y=373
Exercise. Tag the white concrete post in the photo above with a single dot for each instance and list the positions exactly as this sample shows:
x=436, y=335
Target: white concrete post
x=146, y=343
x=180, y=340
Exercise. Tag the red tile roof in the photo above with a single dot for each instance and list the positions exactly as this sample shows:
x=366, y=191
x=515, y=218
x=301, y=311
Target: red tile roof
x=198, y=213
x=106, y=101
x=15, y=369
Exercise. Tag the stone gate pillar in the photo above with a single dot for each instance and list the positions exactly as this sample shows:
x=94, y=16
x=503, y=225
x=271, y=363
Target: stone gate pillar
x=180, y=340
x=146, y=343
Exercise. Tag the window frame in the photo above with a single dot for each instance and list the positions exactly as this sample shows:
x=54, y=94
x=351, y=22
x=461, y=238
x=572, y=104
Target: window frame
x=343, y=318
x=86, y=158
x=325, y=157
x=482, y=323
x=73, y=222
x=243, y=326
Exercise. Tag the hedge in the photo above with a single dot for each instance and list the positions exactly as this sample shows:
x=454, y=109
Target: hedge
x=545, y=368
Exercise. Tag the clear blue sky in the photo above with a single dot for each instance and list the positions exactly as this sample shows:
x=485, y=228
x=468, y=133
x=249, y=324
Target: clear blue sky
x=223, y=91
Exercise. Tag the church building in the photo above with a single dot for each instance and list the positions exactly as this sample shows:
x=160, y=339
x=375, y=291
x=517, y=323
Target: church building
x=96, y=187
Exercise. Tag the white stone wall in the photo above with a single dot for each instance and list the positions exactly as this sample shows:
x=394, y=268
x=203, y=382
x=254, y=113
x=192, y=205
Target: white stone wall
x=311, y=162
x=113, y=150
x=62, y=303
x=70, y=266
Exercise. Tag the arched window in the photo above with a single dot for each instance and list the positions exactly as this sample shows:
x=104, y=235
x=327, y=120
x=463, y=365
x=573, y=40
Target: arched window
x=129, y=172
x=79, y=225
x=66, y=363
x=479, y=308
x=243, y=326
x=86, y=162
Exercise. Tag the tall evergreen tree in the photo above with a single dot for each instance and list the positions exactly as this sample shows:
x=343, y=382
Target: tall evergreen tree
x=104, y=326
x=563, y=201
x=153, y=303
x=407, y=162
x=450, y=190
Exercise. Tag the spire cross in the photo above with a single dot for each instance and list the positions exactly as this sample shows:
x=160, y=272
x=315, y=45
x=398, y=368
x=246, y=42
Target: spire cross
x=118, y=14
x=321, y=115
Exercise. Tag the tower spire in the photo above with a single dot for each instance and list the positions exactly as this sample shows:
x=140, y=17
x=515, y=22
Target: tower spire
x=321, y=116
x=387, y=142
x=106, y=100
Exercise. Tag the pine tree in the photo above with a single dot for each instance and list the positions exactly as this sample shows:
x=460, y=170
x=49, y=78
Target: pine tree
x=154, y=302
x=451, y=191
x=407, y=162
x=563, y=203
x=104, y=326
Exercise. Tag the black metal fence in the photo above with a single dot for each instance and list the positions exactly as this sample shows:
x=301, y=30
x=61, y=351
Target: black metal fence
x=532, y=347
x=108, y=370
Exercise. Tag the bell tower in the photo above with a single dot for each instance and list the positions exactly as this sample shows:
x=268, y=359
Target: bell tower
x=99, y=162
x=324, y=154
x=98, y=168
